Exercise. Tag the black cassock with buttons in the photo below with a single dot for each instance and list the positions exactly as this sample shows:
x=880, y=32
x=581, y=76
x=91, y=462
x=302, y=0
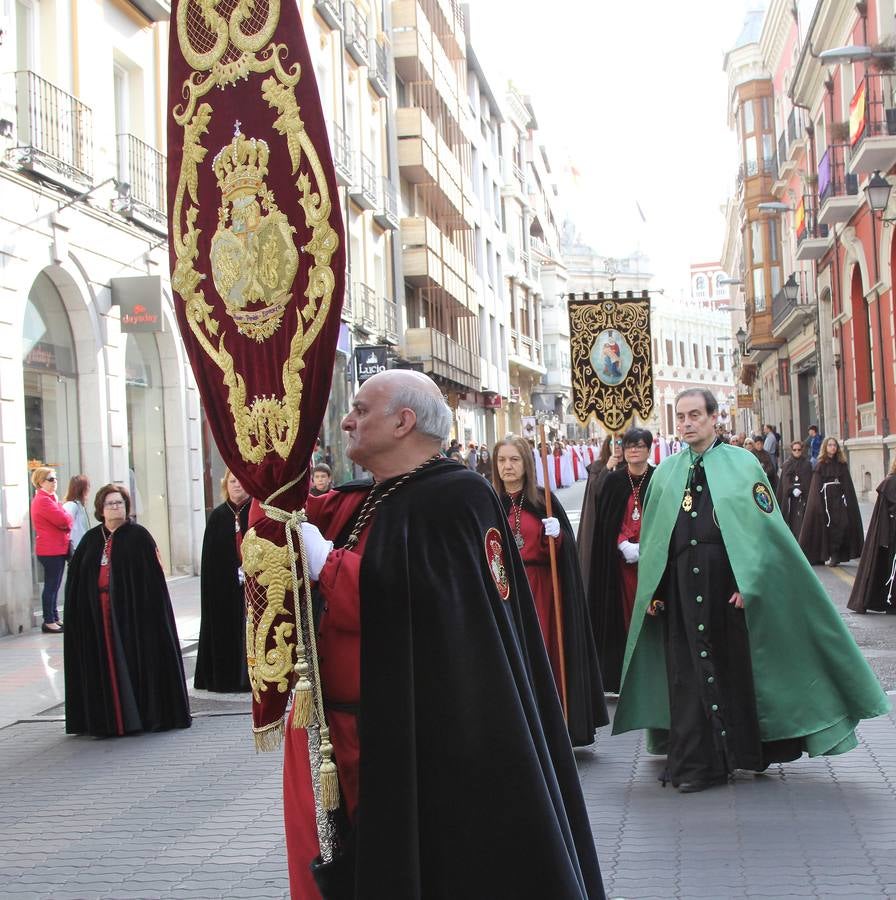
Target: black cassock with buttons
x=714, y=725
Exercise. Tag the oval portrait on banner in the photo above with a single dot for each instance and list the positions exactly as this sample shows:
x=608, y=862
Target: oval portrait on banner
x=611, y=357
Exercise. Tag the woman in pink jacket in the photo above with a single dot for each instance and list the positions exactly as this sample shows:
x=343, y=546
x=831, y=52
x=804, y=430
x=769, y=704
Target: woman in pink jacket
x=52, y=530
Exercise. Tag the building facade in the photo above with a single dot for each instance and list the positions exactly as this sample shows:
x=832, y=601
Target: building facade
x=86, y=385
x=813, y=132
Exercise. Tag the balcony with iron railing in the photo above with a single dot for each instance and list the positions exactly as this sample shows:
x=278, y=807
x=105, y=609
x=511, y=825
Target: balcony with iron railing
x=143, y=169
x=364, y=307
x=811, y=236
x=330, y=11
x=796, y=128
x=342, y=155
x=838, y=188
x=389, y=320
x=364, y=188
x=356, y=37
x=789, y=316
x=443, y=356
x=873, y=125
x=53, y=132
x=348, y=313
x=386, y=214
x=378, y=70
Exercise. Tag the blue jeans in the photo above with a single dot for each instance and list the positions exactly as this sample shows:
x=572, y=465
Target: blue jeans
x=54, y=566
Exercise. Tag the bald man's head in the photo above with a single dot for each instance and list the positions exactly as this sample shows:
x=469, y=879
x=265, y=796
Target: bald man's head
x=396, y=380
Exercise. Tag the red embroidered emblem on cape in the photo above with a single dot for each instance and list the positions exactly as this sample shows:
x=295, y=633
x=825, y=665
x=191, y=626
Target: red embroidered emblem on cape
x=494, y=552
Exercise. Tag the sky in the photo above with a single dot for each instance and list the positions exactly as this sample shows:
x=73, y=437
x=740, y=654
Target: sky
x=634, y=97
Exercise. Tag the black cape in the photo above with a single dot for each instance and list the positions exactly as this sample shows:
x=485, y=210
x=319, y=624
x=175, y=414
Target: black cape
x=597, y=473
x=796, y=473
x=605, y=587
x=221, y=658
x=150, y=673
x=845, y=535
x=468, y=783
x=871, y=589
x=585, y=704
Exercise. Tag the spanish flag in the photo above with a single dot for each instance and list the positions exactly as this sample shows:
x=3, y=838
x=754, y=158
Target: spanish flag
x=857, y=116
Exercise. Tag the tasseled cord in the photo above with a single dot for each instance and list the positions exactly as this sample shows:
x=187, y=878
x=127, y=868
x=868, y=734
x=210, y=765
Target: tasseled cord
x=308, y=709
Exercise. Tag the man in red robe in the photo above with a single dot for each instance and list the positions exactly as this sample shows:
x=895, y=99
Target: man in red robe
x=435, y=629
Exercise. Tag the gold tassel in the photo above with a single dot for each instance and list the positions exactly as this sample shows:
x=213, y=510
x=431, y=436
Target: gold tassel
x=302, y=700
x=329, y=778
x=268, y=738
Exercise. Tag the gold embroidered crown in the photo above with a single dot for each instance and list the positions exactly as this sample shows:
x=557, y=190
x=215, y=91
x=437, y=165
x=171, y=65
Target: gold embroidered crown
x=241, y=166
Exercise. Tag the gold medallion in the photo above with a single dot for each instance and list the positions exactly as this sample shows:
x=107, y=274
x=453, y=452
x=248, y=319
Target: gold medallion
x=688, y=503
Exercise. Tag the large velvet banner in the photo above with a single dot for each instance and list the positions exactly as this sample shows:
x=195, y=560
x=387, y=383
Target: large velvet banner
x=257, y=266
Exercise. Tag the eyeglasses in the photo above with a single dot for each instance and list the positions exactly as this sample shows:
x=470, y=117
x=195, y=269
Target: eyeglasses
x=50, y=478
x=637, y=447
x=114, y=503
x=797, y=449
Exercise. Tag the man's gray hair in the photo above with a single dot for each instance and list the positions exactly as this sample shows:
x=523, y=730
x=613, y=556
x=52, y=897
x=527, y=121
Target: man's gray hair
x=433, y=413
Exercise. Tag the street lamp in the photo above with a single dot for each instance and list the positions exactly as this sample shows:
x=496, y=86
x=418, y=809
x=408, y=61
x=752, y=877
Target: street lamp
x=853, y=54
x=877, y=192
x=774, y=206
x=741, y=337
x=791, y=288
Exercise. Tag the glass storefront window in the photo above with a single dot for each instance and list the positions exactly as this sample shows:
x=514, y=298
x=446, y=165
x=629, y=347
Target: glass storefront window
x=147, y=468
x=51, y=386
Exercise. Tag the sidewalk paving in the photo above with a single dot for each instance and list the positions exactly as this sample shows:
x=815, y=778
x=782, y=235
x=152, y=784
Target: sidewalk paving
x=197, y=813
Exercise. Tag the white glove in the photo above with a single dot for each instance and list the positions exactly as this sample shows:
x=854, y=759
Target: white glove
x=551, y=527
x=317, y=549
x=796, y=492
x=631, y=552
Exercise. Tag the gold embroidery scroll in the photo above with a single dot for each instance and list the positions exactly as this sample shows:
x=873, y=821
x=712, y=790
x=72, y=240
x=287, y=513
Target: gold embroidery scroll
x=612, y=367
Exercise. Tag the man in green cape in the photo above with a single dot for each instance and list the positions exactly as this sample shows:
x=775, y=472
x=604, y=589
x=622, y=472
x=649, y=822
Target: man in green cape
x=736, y=657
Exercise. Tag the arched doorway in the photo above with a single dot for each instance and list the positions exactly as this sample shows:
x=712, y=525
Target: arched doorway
x=147, y=463
x=51, y=383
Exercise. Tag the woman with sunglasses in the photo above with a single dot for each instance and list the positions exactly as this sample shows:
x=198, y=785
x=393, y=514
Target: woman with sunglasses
x=52, y=536
x=123, y=666
x=793, y=488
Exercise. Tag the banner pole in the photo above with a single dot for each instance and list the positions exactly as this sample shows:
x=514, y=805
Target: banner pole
x=555, y=581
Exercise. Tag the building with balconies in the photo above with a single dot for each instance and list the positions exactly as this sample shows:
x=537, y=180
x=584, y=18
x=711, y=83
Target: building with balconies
x=83, y=183
x=485, y=118
x=830, y=359
x=437, y=202
x=352, y=57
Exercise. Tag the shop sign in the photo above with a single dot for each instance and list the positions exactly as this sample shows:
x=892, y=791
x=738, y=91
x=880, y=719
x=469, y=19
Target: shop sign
x=369, y=360
x=140, y=302
x=514, y=394
x=492, y=401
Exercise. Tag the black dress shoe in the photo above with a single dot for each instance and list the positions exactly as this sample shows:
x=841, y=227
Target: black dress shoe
x=692, y=787
x=49, y=629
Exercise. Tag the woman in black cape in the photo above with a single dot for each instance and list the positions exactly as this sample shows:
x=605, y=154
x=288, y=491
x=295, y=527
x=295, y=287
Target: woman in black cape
x=793, y=488
x=221, y=658
x=875, y=584
x=123, y=667
x=614, y=552
x=513, y=477
x=832, y=530
x=609, y=457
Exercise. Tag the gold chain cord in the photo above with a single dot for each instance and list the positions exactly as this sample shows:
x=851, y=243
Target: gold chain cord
x=374, y=499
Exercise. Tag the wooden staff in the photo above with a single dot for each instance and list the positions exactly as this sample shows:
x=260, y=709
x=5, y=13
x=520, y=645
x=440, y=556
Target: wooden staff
x=555, y=581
